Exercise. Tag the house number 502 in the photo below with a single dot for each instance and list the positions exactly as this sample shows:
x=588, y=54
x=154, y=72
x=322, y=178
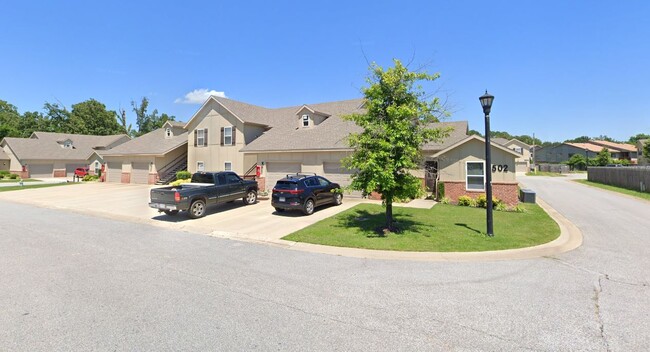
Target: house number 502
x=499, y=168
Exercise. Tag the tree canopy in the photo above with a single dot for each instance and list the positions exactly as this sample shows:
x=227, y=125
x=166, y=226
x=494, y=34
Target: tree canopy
x=395, y=126
x=148, y=122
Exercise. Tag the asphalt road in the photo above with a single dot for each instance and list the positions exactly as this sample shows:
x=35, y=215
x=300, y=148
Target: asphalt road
x=75, y=282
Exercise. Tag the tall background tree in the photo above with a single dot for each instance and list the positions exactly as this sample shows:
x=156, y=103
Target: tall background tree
x=395, y=125
x=91, y=117
x=148, y=122
x=9, y=120
x=604, y=157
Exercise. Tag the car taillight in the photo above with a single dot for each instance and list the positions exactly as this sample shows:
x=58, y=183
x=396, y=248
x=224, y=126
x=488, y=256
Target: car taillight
x=177, y=197
x=295, y=191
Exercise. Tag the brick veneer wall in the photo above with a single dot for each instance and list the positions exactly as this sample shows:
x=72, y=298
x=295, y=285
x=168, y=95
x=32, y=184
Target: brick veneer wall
x=153, y=177
x=126, y=177
x=59, y=173
x=505, y=191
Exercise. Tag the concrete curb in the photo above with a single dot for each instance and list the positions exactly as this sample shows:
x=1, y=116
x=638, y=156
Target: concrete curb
x=570, y=238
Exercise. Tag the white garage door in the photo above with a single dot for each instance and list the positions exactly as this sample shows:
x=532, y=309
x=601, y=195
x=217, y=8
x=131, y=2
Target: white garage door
x=114, y=172
x=69, y=169
x=521, y=166
x=140, y=173
x=278, y=170
x=40, y=170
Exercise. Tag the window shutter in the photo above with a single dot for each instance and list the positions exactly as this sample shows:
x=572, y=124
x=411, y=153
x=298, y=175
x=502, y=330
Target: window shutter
x=221, y=135
x=233, y=134
x=195, y=137
x=205, y=137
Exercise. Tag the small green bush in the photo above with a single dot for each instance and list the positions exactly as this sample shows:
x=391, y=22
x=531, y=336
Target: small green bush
x=4, y=173
x=500, y=206
x=519, y=209
x=90, y=178
x=182, y=175
x=481, y=201
x=466, y=201
x=14, y=176
x=445, y=200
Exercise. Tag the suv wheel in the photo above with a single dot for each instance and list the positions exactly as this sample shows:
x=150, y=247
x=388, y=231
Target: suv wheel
x=338, y=199
x=308, y=207
x=251, y=197
x=197, y=209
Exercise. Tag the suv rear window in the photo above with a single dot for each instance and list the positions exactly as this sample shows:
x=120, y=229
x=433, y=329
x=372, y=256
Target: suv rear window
x=286, y=185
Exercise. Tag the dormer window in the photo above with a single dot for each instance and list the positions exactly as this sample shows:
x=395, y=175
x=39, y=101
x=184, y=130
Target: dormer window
x=305, y=120
x=168, y=132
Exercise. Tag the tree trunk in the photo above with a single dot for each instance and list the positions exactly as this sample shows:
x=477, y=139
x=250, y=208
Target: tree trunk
x=389, y=215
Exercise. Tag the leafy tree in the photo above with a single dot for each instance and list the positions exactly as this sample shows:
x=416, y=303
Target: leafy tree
x=646, y=149
x=604, y=157
x=32, y=121
x=603, y=137
x=636, y=138
x=9, y=120
x=148, y=122
x=577, y=161
x=474, y=133
x=581, y=139
x=58, y=117
x=395, y=126
x=121, y=117
x=500, y=134
x=91, y=117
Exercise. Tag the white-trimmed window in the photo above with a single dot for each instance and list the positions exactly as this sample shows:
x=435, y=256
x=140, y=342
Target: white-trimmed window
x=475, y=179
x=227, y=166
x=305, y=120
x=168, y=132
x=200, y=166
x=227, y=135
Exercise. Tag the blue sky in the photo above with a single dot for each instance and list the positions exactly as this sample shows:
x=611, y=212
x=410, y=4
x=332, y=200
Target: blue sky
x=559, y=69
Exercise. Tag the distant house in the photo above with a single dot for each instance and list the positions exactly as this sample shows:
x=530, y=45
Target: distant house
x=150, y=158
x=47, y=154
x=522, y=163
x=563, y=152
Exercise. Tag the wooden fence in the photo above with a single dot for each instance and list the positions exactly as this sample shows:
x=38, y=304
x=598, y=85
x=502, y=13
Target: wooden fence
x=631, y=177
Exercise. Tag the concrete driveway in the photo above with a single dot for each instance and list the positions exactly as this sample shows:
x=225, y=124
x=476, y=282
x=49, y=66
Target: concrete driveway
x=129, y=202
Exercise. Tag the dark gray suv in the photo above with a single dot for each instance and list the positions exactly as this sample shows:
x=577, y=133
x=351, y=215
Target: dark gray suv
x=305, y=192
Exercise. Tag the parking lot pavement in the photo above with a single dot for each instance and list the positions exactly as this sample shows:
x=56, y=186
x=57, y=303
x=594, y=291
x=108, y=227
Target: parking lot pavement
x=128, y=202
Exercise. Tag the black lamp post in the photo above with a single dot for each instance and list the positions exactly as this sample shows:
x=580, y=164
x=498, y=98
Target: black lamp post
x=486, y=102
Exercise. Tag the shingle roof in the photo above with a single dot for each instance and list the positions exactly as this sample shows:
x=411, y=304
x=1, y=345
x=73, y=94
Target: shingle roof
x=499, y=140
x=591, y=147
x=620, y=146
x=152, y=143
x=284, y=136
x=458, y=133
x=45, y=146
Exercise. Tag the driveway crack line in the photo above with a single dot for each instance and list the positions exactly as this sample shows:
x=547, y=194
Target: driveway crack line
x=598, y=289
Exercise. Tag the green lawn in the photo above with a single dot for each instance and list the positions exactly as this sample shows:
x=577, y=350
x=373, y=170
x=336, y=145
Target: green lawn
x=43, y=185
x=629, y=192
x=4, y=180
x=544, y=173
x=443, y=228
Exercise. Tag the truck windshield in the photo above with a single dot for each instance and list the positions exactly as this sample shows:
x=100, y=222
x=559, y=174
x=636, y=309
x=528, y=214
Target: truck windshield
x=202, y=178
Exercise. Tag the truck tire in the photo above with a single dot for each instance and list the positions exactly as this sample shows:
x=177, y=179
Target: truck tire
x=251, y=197
x=308, y=207
x=197, y=209
x=171, y=212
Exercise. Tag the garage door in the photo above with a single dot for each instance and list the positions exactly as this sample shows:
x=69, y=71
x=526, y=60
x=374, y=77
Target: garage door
x=40, y=170
x=140, y=173
x=278, y=170
x=337, y=173
x=521, y=166
x=69, y=168
x=114, y=172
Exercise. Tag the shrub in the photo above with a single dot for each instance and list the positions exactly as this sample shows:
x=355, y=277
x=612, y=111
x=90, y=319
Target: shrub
x=519, y=209
x=500, y=206
x=14, y=176
x=182, y=175
x=445, y=200
x=4, y=173
x=466, y=201
x=441, y=190
x=90, y=178
x=481, y=201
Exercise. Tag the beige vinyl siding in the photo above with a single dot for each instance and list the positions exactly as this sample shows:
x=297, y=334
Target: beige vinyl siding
x=140, y=173
x=451, y=165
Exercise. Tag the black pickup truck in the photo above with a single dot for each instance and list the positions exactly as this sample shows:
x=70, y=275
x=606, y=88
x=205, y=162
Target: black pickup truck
x=206, y=188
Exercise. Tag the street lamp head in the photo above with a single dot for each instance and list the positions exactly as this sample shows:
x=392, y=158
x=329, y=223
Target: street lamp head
x=486, y=102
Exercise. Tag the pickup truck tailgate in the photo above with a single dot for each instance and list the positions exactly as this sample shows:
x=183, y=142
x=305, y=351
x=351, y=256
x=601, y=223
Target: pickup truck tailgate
x=165, y=196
